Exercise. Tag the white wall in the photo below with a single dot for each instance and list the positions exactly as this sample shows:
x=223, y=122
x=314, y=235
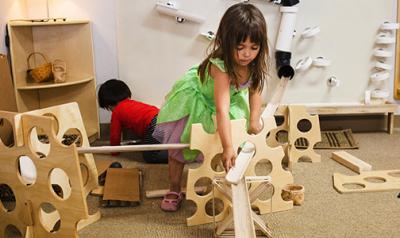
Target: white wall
x=154, y=50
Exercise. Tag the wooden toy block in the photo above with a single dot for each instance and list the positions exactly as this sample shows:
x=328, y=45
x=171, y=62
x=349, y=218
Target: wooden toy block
x=367, y=181
x=210, y=146
x=351, y=161
x=48, y=133
x=41, y=210
x=306, y=127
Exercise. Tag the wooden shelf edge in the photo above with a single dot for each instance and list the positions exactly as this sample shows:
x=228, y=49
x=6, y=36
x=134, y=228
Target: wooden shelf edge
x=33, y=86
x=38, y=22
x=345, y=109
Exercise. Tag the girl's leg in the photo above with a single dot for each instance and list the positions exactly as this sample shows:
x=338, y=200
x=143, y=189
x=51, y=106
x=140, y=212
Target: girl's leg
x=175, y=168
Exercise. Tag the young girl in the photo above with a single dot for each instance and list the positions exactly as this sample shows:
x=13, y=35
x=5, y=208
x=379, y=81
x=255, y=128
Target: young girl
x=222, y=85
x=114, y=95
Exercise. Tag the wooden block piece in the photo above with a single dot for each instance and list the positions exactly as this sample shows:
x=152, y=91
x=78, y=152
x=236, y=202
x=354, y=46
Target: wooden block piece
x=122, y=185
x=351, y=161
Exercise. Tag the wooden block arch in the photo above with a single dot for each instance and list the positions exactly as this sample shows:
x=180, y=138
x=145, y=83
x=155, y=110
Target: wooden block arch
x=210, y=146
x=38, y=207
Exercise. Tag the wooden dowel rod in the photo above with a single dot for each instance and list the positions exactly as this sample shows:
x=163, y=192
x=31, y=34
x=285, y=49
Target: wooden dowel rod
x=129, y=148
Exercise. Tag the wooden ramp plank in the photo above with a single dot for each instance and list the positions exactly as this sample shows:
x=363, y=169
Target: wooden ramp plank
x=351, y=161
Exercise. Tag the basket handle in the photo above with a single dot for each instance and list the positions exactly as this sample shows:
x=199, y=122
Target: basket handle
x=33, y=53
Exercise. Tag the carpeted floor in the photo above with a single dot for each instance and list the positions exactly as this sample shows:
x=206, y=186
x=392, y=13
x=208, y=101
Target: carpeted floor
x=324, y=213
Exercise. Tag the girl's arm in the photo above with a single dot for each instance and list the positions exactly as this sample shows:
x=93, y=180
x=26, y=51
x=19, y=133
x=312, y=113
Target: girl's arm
x=255, y=111
x=222, y=104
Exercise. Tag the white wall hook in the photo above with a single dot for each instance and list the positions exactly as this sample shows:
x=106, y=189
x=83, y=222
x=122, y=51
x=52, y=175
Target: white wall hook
x=333, y=82
x=209, y=35
x=379, y=93
x=310, y=32
x=170, y=8
x=382, y=53
x=321, y=61
x=303, y=64
x=382, y=65
x=380, y=76
x=384, y=38
x=390, y=26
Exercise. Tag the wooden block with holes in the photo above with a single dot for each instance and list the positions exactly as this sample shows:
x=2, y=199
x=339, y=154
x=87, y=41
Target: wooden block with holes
x=268, y=159
x=41, y=210
x=351, y=161
x=303, y=126
x=39, y=139
x=367, y=181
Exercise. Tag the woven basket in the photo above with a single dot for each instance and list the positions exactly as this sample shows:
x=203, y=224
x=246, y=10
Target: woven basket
x=39, y=73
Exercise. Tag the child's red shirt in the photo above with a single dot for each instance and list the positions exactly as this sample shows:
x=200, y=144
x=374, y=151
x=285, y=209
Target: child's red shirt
x=132, y=115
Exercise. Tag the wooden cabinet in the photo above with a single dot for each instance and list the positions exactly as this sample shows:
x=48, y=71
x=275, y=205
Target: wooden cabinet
x=70, y=41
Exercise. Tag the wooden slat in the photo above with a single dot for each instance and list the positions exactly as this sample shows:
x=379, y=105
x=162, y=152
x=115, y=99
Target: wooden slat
x=351, y=161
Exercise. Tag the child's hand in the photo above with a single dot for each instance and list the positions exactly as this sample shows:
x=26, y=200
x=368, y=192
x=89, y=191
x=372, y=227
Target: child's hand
x=255, y=127
x=228, y=158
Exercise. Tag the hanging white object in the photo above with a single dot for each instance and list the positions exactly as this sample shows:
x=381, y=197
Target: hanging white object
x=380, y=76
x=384, y=38
x=333, y=82
x=209, y=35
x=382, y=53
x=286, y=28
x=380, y=94
x=170, y=8
x=310, y=32
x=303, y=64
x=390, y=26
x=382, y=65
x=321, y=61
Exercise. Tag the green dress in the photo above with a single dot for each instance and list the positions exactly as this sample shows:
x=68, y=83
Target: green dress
x=195, y=100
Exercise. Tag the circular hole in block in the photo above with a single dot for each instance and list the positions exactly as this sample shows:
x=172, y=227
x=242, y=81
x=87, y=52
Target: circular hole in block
x=205, y=186
x=6, y=133
x=218, y=207
x=12, y=231
x=56, y=126
x=301, y=143
x=395, y=174
x=7, y=198
x=49, y=217
x=27, y=170
x=304, y=158
x=282, y=137
x=190, y=207
x=60, y=183
x=263, y=167
x=85, y=174
x=304, y=125
x=39, y=142
x=216, y=163
x=375, y=179
x=354, y=186
x=72, y=136
x=279, y=120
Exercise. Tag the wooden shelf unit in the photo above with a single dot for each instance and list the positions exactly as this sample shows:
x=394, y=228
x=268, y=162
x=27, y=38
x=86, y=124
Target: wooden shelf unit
x=70, y=41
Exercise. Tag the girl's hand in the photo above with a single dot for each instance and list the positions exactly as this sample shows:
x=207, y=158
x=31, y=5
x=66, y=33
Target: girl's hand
x=228, y=158
x=255, y=127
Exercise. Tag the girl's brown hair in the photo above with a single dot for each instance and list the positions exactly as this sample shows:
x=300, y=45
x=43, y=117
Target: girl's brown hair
x=240, y=21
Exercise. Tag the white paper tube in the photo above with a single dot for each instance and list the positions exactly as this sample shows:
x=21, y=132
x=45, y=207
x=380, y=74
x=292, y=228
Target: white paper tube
x=321, y=61
x=310, y=32
x=390, y=26
x=381, y=65
x=382, y=53
x=303, y=64
x=380, y=76
x=286, y=29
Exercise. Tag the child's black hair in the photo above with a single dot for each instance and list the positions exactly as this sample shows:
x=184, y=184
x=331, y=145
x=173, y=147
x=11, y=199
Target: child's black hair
x=112, y=92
